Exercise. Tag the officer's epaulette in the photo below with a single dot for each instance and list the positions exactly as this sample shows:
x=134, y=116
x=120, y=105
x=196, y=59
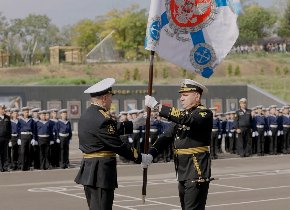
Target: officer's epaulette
x=201, y=107
x=104, y=113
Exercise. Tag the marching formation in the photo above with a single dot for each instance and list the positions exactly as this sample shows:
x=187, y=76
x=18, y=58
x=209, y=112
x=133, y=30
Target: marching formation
x=34, y=139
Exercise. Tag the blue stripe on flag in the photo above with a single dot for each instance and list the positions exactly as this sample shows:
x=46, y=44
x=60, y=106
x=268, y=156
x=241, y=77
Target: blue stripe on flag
x=164, y=20
x=197, y=37
x=221, y=3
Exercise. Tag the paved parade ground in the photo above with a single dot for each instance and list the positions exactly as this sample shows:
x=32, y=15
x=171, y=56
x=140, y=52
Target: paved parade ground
x=250, y=183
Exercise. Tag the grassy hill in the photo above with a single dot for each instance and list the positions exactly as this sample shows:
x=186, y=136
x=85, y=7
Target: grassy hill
x=270, y=72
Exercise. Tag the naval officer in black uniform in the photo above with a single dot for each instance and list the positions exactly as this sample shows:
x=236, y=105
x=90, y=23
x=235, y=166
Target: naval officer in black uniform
x=192, y=130
x=99, y=141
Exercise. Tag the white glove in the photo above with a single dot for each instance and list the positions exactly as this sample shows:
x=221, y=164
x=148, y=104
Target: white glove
x=58, y=141
x=150, y=140
x=230, y=135
x=51, y=142
x=253, y=134
x=269, y=133
x=130, y=140
x=146, y=160
x=256, y=133
x=150, y=101
x=219, y=136
x=32, y=142
x=265, y=133
x=141, y=140
x=282, y=133
x=278, y=133
x=10, y=144
x=19, y=141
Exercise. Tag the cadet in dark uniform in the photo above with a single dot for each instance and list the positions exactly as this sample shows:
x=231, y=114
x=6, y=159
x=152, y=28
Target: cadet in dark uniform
x=231, y=133
x=192, y=129
x=64, y=133
x=34, y=151
x=99, y=141
x=244, y=124
x=44, y=139
x=15, y=134
x=5, y=135
x=273, y=130
x=27, y=137
x=54, y=146
x=260, y=123
x=215, y=135
x=286, y=130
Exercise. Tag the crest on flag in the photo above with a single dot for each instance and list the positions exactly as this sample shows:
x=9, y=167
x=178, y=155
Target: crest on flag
x=193, y=34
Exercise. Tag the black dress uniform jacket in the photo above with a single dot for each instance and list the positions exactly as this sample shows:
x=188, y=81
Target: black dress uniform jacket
x=5, y=128
x=192, y=129
x=98, y=132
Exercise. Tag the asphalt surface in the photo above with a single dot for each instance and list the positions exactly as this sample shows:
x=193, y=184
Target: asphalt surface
x=253, y=183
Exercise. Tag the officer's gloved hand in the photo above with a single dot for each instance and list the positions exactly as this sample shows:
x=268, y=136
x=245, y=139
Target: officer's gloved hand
x=35, y=143
x=257, y=133
x=150, y=101
x=10, y=144
x=146, y=160
x=269, y=133
x=265, y=133
x=58, y=141
x=32, y=142
x=19, y=141
x=281, y=132
x=130, y=140
x=219, y=136
x=278, y=133
x=51, y=142
x=253, y=134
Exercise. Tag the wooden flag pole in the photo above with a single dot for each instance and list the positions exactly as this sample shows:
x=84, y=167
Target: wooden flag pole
x=147, y=132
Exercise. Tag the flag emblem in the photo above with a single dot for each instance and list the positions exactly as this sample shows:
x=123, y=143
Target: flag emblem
x=193, y=34
x=187, y=16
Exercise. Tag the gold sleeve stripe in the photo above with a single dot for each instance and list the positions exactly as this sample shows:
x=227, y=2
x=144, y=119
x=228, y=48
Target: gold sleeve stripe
x=104, y=113
x=175, y=112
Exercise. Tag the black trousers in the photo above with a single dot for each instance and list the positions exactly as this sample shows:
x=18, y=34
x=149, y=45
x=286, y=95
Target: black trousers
x=44, y=149
x=214, y=144
x=25, y=154
x=64, y=152
x=286, y=139
x=14, y=153
x=99, y=198
x=3, y=153
x=273, y=141
x=261, y=142
x=193, y=195
x=244, y=142
x=232, y=143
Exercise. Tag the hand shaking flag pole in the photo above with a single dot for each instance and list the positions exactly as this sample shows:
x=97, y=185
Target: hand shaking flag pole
x=193, y=34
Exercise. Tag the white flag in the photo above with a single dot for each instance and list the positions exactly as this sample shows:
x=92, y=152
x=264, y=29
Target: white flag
x=193, y=34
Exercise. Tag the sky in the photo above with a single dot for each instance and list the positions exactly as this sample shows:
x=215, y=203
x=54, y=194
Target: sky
x=69, y=12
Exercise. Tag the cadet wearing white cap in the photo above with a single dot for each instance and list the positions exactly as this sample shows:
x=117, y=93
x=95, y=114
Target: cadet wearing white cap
x=191, y=132
x=64, y=135
x=99, y=141
x=244, y=122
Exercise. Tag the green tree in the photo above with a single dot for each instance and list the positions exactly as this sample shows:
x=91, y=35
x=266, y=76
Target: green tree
x=165, y=73
x=129, y=26
x=284, y=24
x=3, y=31
x=277, y=70
x=285, y=70
x=237, y=71
x=86, y=34
x=255, y=23
x=230, y=69
x=136, y=74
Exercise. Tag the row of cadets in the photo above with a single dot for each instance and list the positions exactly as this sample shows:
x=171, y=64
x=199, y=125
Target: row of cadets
x=138, y=120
